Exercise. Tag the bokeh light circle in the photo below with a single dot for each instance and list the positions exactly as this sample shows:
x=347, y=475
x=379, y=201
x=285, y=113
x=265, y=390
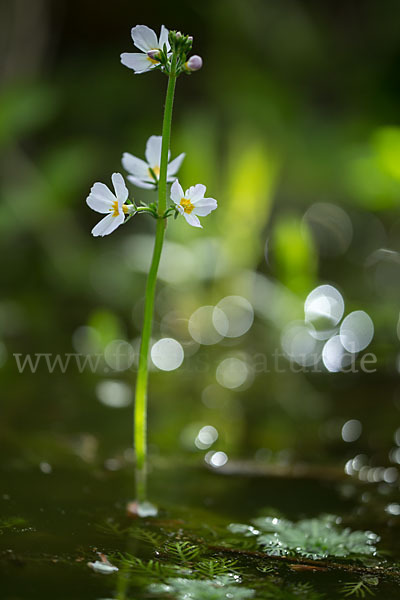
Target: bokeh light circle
x=351, y=430
x=206, y=437
x=232, y=373
x=331, y=228
x=239, y=316
x=324, y=307
x=216, y=459
x=334, y=355
x=167, y=354
x=119, y=355
x=115, y=394
x=299, y=344
x=201, y=325
x=356, y=331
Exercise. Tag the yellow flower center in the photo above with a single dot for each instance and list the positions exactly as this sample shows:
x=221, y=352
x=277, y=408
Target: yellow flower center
x=156, y=171
x=187, y=205
x=115, y=211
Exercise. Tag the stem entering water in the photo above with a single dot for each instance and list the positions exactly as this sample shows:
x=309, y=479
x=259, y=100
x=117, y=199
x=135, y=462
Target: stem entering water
x=140, y=413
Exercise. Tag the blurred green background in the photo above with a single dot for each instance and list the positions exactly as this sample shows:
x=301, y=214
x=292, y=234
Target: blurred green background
x=293, y=125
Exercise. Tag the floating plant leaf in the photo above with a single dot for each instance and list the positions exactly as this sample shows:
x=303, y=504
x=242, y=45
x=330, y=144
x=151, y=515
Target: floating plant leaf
x=312, y=538
x=219, y=588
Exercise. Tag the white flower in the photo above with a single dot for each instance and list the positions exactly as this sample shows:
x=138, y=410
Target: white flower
x=146, y=174
x=102, y=200
x=145, y=40
x=192, y=203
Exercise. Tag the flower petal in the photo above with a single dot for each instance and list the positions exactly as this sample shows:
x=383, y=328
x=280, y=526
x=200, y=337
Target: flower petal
x=100, y=198
x=107, y=225
x=196, y=192
x=102, y=191
x=140, y=63
x=98, y=204
x=153, y=150
x=121, y=191
x=144, y=185
x=192, y=220
x=204, y=206
x=135, y=166
x=175, y=165
x=176, y=192
x=144, y=38
x=164, y=38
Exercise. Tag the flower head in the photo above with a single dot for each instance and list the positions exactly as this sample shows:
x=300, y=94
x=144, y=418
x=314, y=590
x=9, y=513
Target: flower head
x=145, y=39
x=146, y=174
x=102, y=200
x=192, y=203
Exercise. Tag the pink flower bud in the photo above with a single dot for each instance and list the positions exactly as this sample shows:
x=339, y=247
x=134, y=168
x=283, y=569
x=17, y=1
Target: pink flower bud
x=194, y=63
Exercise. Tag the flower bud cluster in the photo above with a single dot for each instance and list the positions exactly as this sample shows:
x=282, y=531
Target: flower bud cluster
x=181, y=45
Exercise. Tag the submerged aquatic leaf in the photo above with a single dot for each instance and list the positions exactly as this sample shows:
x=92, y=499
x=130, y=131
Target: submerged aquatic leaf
x=219, y=588
x=150, y=568
x=215, y=567
x=312, y=538
x=11, y=523
x=146, y=536
x=111, y=528
x=299, y=591
x=182, y=551
x=361, y=588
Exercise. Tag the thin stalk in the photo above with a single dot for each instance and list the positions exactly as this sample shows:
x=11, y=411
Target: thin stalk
x=140, y=412
x=166, y=137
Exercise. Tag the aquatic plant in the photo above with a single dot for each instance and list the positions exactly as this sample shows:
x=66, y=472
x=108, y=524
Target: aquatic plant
x=312, y=538
x=149, y=569
x=214, y=567
x=168, y=54
x=150, y=537
x=182, y=551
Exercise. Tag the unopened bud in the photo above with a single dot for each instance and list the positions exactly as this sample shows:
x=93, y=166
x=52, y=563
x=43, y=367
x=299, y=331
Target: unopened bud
x=154, y=54
x=178, y=35
x=194, y=63
x=190, y=39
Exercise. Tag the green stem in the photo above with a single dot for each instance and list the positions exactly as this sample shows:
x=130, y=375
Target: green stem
x=166, y=136
x=140, y=414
